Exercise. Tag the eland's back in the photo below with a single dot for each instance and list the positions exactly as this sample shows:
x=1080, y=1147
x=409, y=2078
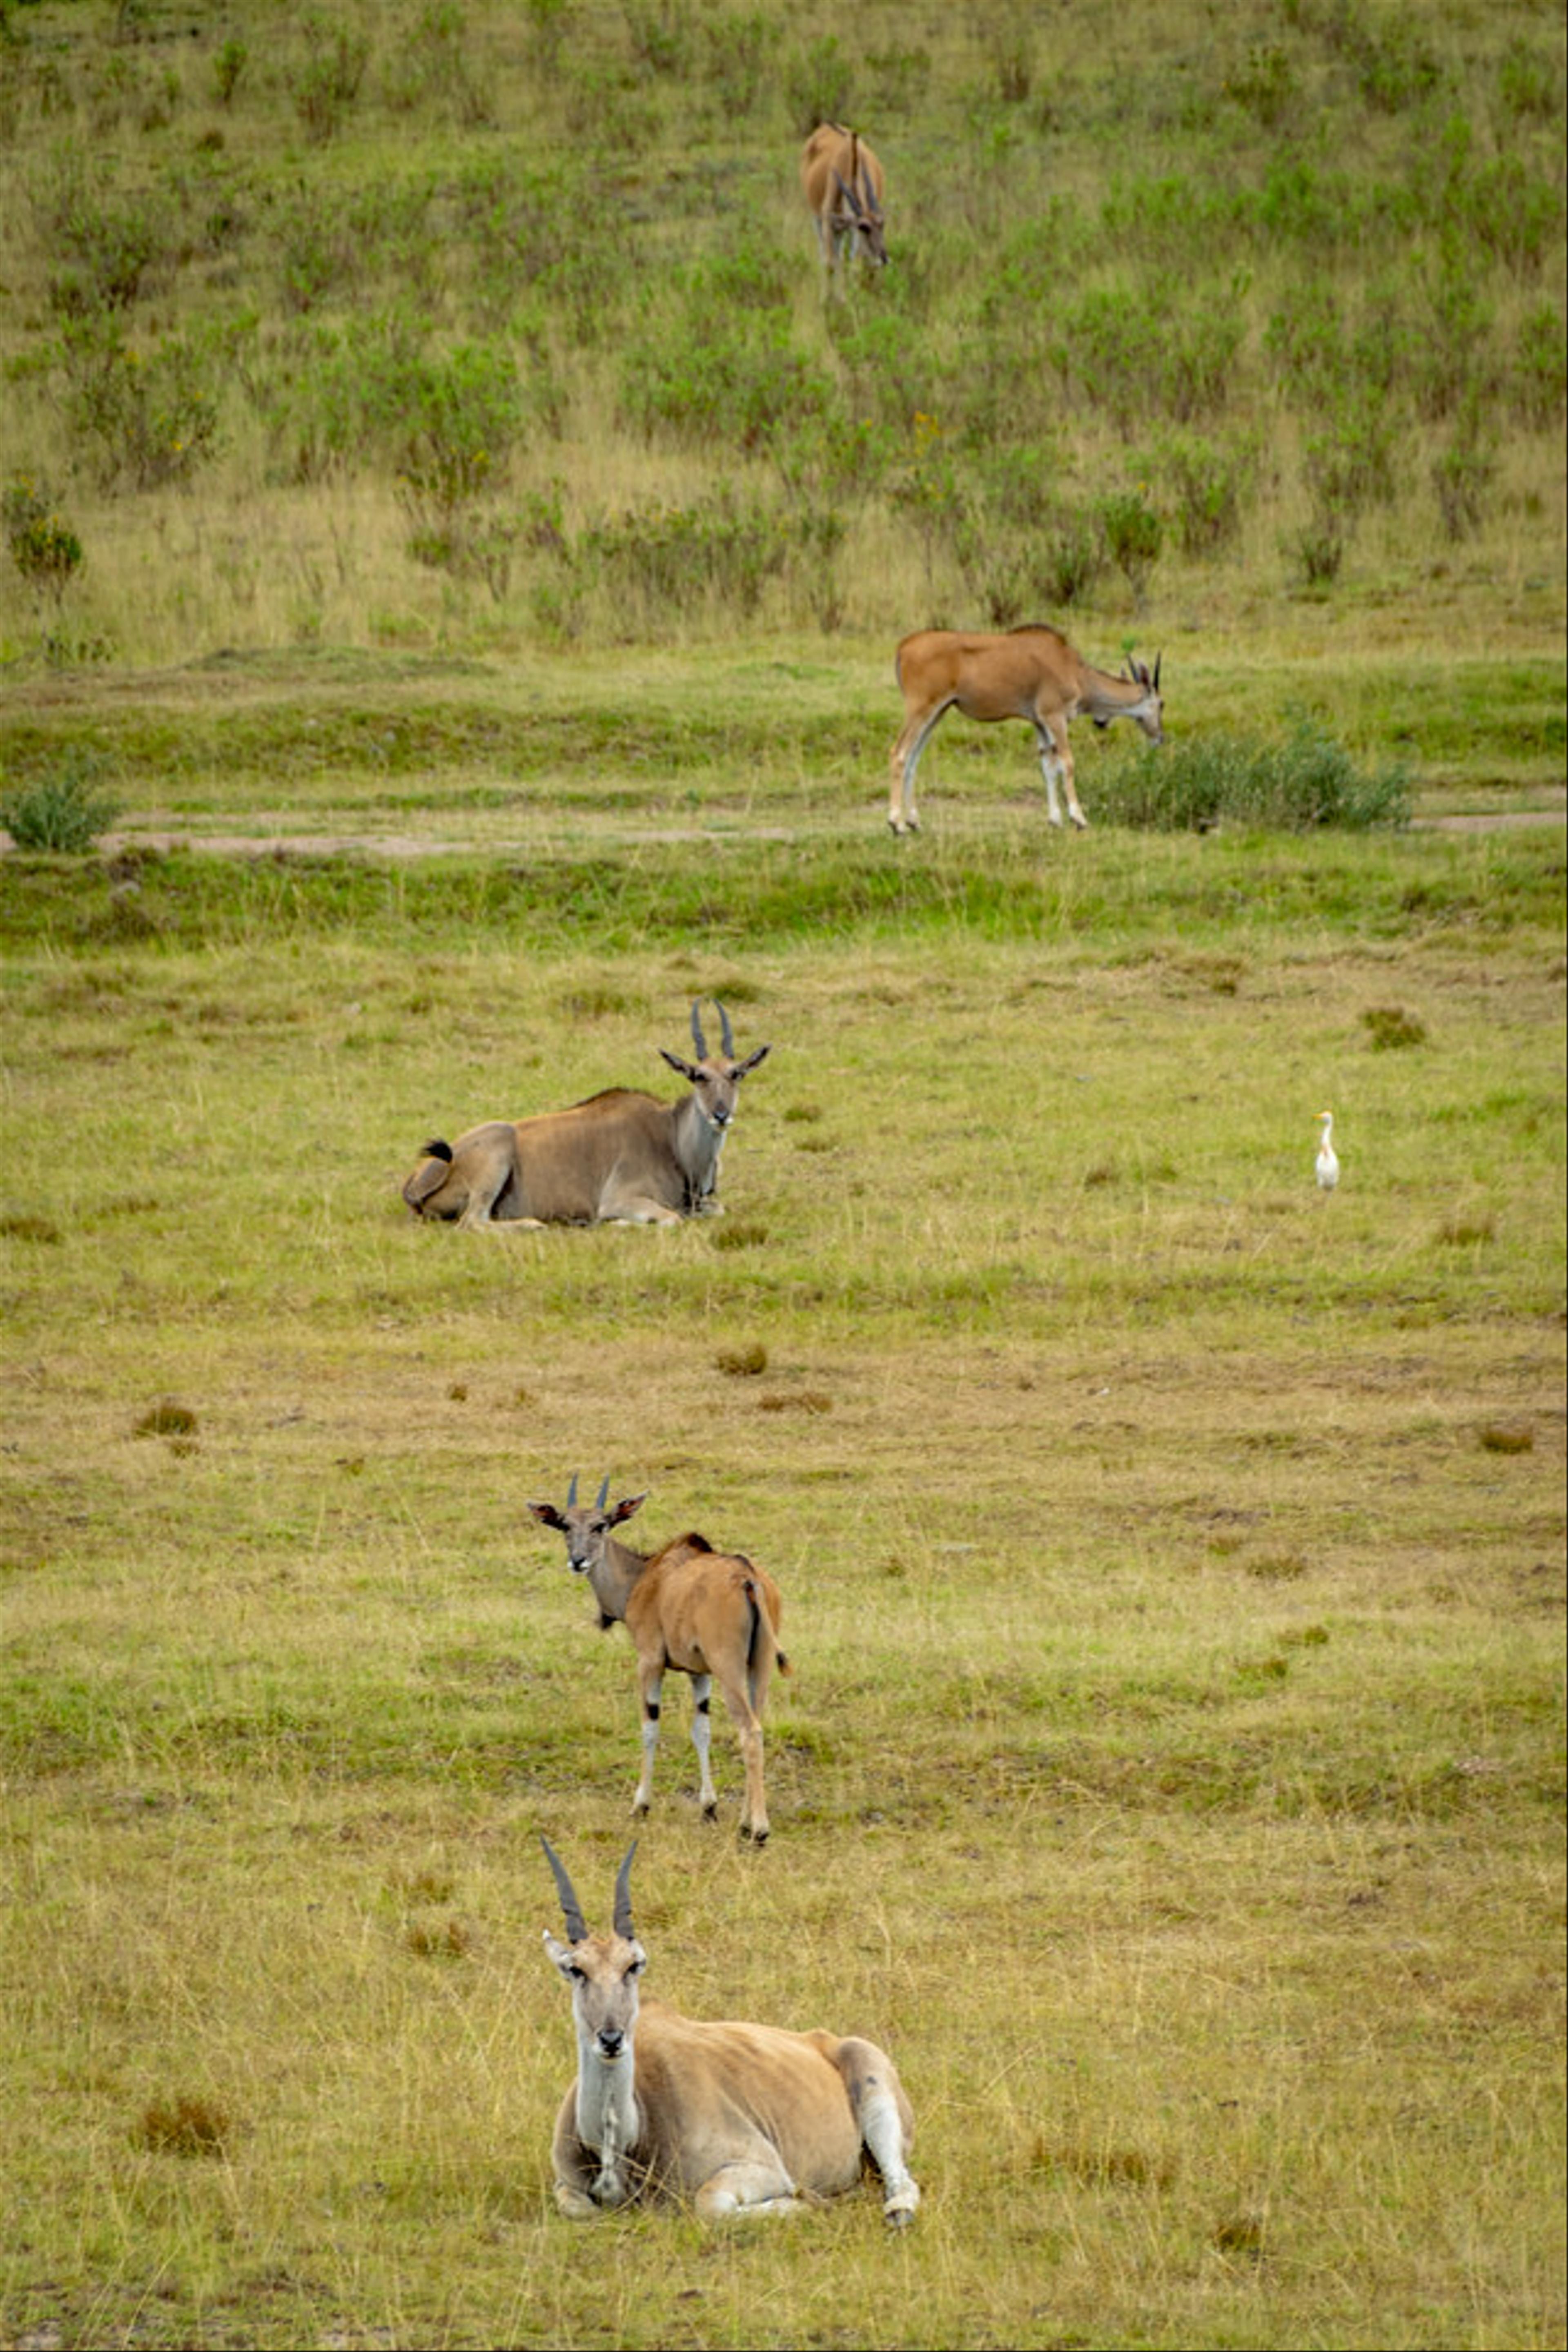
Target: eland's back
x=985, y=676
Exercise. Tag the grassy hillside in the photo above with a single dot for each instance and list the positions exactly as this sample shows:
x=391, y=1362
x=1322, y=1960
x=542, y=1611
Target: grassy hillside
x=414, y=325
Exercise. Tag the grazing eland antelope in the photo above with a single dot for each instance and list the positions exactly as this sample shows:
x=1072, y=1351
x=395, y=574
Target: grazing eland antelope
x=1029, y=673
x=620, y=1156
x=742, y=2119
x=843, y=183
x=707, y=1614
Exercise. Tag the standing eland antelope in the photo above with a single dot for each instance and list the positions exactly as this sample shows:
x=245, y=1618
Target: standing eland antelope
x=742, y=2119
x=706, y=1613
x=843, y=183
x=620, y=1156
x=1028, y=673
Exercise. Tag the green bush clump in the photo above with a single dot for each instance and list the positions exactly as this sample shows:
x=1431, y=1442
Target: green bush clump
x=444, y=422
x=111, y=238
x=1206, y=484
x=1296, y=785
x=325, y=81
x=711, y=370
x=42, y=545
x=670, y=558
x=1540, y=379
x=65, y=810
x=1130, y=351
x=1463, y=472
x=1135, y=536
x=152, y=412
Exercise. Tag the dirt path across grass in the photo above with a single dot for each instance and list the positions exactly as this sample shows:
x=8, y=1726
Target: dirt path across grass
x=410, y=845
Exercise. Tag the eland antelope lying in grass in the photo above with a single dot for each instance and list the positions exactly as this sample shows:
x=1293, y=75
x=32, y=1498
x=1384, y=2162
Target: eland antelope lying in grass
x=741, y=2118
x=843, y=182
x=1028, y=673
x=621, y=1155
x=707, y=1614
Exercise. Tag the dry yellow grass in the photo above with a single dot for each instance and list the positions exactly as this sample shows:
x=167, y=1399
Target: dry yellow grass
x=1170, y=1772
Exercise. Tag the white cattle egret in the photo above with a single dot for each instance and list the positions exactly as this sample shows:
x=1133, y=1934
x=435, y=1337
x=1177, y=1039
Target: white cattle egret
x=1327, y=1165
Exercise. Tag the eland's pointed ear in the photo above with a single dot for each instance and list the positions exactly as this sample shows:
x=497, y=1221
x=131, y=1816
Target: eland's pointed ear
x=627, y=1506
x=752, y=1060
x=688, y=1069
x=547, y=1515
x=559, y=1953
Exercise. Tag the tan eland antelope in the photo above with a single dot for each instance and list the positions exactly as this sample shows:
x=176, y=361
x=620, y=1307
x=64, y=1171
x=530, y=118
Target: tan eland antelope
x=843, y=183
x=620, y=1156
x=743, y=2119
x=706, y=1613
x=1028, y=673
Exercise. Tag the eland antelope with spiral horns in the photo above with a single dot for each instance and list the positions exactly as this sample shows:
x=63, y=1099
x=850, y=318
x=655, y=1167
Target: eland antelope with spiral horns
x=709, y=1614
x=1029, y=673
x=620, y=1156
x=842, y=182
x=743, y=2119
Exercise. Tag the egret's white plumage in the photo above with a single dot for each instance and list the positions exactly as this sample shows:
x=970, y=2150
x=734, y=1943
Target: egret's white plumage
x=1327, y=1165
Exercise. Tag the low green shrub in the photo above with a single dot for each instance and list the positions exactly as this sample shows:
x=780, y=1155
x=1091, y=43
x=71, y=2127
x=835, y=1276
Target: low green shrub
x=1205, y=484
x=1135, y=536
x=670, y=558
x=1150, y=350
x=64, y=810
x=325, y=80
x=1539, y=376
x=152, y=413
x=663, y=36
x=44, y=548
x=1294, y=785
x=710, y=371
x=819, y=85
x=1464, y=471
x=110, y=237
x=740, y=56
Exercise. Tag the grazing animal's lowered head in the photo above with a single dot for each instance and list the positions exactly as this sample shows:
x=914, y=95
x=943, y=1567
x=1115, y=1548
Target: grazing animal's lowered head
x=842, y=182
x=1029, y=673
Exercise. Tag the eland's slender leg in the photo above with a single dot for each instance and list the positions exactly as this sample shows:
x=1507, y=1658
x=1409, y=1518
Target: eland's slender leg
x=1056, y=765
x=754, y=1812
x=912, y=738
x=701, y=1729
x=886, y=2119
x=649, y=1683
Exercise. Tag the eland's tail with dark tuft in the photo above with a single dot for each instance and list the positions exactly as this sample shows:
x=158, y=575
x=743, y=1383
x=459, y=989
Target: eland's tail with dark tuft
x=762, y=1639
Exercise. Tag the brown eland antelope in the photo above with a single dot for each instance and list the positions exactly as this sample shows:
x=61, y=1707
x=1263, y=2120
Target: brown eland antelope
x=702, y=1611
x=742, y=2119
x=622, y=1155
x=1029, y=673
x=843, y=183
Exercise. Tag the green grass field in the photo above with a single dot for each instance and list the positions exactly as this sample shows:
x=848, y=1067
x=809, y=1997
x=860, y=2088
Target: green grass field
x=1172, y=1555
